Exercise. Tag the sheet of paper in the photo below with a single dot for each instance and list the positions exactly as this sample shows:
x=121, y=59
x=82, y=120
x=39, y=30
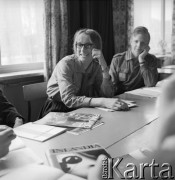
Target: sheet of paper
x=38, y=132
x=147, y=92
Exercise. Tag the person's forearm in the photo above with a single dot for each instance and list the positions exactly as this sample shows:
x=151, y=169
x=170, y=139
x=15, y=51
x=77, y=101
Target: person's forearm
x=107, y=86
x=18, y=122
x=97, y=102
x=150, y=76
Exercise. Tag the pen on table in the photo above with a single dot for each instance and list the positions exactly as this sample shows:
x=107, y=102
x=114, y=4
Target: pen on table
x=78, y=120
x=97, y=125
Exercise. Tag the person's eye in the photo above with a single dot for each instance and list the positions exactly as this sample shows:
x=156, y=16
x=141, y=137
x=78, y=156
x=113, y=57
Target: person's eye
x=87, y=46
x=79, y=45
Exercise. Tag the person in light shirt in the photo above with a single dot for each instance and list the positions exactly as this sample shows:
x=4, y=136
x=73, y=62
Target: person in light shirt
x=82, y=79
x=135, y=67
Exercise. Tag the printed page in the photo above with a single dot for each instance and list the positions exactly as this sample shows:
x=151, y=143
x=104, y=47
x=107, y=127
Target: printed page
x=80, y=120
x=75, y=160
x=80, y=163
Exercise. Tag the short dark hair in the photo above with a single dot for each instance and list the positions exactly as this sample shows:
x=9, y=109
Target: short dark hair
x=94, y=36
x=141, y=30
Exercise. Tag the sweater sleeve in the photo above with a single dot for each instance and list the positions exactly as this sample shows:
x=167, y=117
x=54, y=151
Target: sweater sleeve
x=149, y=71
x=8, y=112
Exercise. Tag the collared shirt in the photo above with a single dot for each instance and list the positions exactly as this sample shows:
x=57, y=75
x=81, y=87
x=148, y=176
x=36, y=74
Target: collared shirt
x=74, y=86
x=127, y=74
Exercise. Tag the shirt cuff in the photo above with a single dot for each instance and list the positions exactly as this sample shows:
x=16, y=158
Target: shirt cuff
x=86, y=101
x=19, y=119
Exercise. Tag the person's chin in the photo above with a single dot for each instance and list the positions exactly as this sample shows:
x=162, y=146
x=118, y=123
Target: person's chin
x=136, y=54
x=84, y=58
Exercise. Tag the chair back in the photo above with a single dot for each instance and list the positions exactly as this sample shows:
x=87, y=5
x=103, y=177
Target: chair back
x=33, y=92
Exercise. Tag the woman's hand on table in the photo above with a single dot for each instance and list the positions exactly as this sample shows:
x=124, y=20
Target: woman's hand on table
x=116, y=104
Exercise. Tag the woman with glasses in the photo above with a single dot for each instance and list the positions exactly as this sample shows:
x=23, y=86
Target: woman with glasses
x=82, y=79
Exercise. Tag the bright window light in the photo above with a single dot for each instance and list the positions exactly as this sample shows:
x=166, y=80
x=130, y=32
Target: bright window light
x=21, y=32
x=156, y=15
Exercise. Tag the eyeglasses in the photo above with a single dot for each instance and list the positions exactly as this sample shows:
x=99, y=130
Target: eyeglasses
x=86, y=46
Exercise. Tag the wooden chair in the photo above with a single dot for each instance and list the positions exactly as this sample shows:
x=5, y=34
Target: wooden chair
x=33, y=92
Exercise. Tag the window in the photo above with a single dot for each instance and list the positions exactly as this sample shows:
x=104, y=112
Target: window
x=21, y=35
x=156, y=15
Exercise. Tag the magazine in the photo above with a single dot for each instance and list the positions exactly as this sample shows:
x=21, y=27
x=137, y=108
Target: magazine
x=78, y=131
x=70, y=119
x=75, y=160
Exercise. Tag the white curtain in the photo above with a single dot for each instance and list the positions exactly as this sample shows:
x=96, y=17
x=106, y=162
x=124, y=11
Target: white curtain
x=21, y=31
x=173, y=34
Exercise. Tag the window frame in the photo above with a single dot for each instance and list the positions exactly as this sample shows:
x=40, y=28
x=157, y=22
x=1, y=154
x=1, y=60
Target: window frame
x=21, y=67
x=163, y=19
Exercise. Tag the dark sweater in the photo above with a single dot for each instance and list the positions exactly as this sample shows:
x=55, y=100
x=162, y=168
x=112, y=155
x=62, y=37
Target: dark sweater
x=8, y=112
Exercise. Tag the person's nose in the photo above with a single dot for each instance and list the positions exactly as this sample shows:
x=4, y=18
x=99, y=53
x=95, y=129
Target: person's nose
x=83, y=49
x=138, y=45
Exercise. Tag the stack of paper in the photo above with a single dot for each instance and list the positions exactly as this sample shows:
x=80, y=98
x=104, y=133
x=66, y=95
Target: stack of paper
x=78, y=131
x=38, y=132
x=70, y=119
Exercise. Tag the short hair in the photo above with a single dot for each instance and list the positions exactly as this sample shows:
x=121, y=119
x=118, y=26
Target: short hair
x=141, y=30
x=94, y=36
